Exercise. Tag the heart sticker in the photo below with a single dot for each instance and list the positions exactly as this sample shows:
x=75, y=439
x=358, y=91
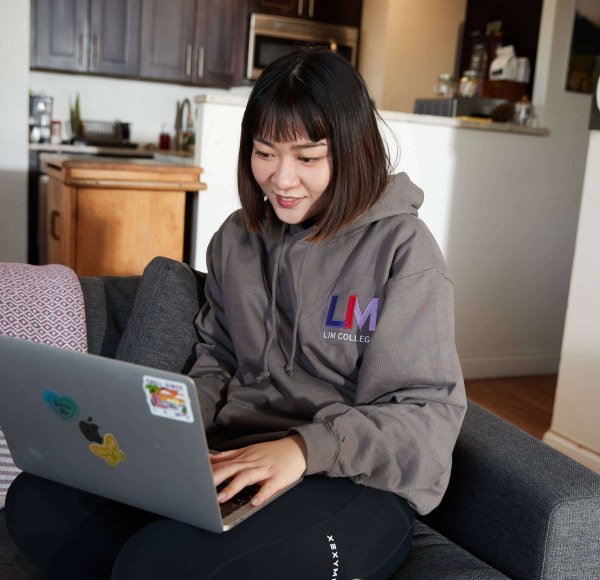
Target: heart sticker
x=63, y=405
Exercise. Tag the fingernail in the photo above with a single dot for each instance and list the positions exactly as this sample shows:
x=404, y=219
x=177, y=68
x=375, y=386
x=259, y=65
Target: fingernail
x=221, y=497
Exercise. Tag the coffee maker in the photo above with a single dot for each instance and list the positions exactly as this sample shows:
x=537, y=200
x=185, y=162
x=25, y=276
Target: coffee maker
x=40, y=118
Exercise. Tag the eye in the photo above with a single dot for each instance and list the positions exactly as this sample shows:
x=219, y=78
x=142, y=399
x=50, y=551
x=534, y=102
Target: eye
x=309, y=159
x=262, y=154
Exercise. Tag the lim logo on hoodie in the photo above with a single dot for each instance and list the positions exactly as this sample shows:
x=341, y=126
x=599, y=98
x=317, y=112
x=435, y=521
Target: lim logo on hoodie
x=354, y=313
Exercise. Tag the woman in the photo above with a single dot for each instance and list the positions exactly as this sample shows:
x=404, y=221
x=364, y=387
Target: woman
x=326, y=351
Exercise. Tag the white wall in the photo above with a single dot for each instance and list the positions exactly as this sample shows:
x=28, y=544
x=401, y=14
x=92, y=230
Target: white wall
x=574, y=427
x=14, y=104
x=217, y=142
x=405, y=45
x=504, y=209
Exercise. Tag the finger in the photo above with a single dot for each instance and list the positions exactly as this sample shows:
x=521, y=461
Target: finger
x=242, y=480
x=225, y=455
x=267, y=490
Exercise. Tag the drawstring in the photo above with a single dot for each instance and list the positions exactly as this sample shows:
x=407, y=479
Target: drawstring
x=265, y=374
x=289, y=368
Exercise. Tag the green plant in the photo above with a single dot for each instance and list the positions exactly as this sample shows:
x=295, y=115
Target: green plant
x=75, y=114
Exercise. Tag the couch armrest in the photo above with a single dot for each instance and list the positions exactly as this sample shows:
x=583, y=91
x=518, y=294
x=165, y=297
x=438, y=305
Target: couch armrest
x=108, y=304
x=520, y=505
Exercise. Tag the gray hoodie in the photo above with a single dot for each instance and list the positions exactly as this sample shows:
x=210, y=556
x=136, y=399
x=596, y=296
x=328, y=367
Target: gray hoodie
x=349, y=343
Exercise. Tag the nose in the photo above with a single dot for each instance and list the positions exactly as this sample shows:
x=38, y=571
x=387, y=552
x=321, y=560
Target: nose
x=285, y=176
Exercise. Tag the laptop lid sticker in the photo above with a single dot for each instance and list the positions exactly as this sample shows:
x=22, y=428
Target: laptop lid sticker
x=62, y=405
x=106, y=447
x=109, y=450
x=168, y=399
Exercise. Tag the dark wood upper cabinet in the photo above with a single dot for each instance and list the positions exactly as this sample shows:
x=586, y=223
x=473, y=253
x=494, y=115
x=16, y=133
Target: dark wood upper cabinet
x=99, y=36
x=194, y=41
x=167, y=39
x=60, y=34
x=221, y=55
x=199, y=42
x=291, y=8
x=343, y=12
x=115, y=37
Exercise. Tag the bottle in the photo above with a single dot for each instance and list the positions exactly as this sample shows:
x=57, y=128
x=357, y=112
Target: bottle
x=468, y=84
x=164, y=139
x=523, y=111
x=56, y=135
x=445, y=86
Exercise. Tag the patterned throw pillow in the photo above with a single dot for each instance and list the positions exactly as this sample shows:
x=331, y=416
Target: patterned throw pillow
x=42, y=304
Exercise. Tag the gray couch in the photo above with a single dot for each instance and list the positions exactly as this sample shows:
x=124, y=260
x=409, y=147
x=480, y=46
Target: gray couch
x=514, y=508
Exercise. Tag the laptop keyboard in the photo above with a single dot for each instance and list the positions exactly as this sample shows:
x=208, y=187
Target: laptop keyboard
x=238, y=500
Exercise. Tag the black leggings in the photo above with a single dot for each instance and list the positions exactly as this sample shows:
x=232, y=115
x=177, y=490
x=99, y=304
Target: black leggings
x=321, y=529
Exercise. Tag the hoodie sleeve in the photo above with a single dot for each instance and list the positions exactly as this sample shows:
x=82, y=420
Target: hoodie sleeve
x=410, y=399
x=215, y=359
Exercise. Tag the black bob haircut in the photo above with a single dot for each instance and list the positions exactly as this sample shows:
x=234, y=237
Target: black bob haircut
x=320, y=91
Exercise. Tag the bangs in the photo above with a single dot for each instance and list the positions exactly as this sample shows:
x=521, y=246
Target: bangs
x=282, y=120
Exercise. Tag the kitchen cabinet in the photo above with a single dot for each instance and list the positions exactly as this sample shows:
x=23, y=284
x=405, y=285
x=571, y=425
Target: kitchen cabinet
x=107, y=216
x=99, y=36
x=343, y=12
x=199, y=42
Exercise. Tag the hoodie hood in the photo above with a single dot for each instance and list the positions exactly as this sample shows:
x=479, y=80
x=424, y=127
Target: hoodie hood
x=401, y=196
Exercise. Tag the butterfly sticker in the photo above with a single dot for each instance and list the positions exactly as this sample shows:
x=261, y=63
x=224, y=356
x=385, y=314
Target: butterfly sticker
x=108, y=450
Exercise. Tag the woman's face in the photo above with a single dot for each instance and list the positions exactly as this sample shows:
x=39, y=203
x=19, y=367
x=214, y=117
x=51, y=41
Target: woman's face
x=294, y=176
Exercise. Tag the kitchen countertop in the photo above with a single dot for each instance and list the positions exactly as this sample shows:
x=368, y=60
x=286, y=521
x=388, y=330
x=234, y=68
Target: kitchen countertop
x=140, y=151
x=179, y=157
x=121, y=172
x=463, y=123
x=452, y=122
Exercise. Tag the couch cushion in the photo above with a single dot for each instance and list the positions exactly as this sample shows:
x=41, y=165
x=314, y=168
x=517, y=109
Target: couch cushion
x=529, y=510
x=108, y=303
x=161, y=331
x=13, y=564
x=432, y=556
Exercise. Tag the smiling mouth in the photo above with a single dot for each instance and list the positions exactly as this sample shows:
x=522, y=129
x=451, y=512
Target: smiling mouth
x=287, y=202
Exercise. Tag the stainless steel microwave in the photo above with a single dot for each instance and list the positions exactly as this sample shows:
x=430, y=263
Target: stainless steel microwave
x=273, y=36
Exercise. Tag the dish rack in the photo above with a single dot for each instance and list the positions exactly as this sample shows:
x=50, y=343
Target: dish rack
x=99, y=132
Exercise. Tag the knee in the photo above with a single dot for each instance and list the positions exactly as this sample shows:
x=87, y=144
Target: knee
x=163, y=549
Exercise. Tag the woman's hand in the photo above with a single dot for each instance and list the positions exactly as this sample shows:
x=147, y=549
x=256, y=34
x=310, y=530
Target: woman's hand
x=274, y=465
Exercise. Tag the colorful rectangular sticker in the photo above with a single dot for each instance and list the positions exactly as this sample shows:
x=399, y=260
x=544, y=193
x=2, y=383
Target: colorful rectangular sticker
x=168, y=399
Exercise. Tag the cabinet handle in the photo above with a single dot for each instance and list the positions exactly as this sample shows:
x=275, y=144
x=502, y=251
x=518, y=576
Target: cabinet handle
x=311, y=8
x=81, y=49
x=300, y=7
x=200, y=62
x=188, y=60
x=54, y=220
x=96, y=50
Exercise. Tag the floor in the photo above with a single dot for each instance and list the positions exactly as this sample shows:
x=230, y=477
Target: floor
x=527, y=402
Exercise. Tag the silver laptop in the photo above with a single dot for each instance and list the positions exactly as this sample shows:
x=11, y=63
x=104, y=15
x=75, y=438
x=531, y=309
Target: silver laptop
x=127, y=432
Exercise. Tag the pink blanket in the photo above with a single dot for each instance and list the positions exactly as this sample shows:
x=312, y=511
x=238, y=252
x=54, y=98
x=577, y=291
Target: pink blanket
x=42, y=304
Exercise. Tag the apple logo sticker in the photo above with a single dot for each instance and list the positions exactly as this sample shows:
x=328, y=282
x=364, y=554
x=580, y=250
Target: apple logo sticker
x=90, y=431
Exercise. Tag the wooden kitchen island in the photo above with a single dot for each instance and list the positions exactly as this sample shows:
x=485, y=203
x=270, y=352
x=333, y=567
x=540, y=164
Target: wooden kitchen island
x=111, y=216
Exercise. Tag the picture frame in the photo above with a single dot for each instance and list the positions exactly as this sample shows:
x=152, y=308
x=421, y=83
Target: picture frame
x=585, y=47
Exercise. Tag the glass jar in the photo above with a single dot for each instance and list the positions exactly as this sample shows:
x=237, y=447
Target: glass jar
x=468, y=84
x=445, y=86
x=523, y=112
